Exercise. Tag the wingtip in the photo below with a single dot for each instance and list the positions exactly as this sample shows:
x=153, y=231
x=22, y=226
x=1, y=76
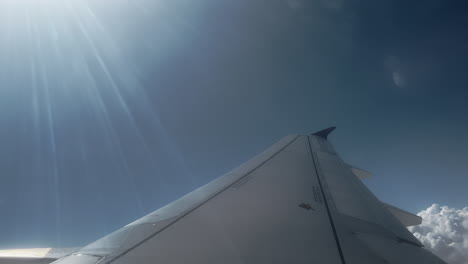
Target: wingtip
x=324, y=133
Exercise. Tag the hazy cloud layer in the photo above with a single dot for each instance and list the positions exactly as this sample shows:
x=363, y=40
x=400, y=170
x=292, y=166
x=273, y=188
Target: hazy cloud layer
x=444, y=231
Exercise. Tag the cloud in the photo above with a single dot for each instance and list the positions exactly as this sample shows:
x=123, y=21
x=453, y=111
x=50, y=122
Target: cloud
x=444, y=231
x=393, y=64
x=398, y=78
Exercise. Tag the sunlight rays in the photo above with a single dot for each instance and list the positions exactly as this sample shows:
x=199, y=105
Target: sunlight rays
x=77, y=97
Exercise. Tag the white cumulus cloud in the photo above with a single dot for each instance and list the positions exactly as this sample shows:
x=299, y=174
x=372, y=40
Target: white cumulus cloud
x=444, y=231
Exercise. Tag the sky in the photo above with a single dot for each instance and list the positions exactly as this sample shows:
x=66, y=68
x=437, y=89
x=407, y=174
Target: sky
x=112, y=109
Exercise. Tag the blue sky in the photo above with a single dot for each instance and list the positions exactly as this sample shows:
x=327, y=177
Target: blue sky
x=111, y=109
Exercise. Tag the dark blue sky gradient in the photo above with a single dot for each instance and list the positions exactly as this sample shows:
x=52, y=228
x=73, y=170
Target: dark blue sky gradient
x=112, y=109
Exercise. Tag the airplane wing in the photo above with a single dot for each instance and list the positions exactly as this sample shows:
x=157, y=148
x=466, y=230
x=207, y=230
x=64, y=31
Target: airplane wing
x=297, y=202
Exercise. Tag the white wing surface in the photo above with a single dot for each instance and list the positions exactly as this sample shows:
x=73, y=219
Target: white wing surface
x=297, y=202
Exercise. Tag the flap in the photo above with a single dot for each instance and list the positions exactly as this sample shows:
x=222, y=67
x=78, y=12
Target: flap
x=406, y=218
x=360, y=173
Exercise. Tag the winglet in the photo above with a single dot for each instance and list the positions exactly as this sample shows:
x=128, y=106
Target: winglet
x=324, y=133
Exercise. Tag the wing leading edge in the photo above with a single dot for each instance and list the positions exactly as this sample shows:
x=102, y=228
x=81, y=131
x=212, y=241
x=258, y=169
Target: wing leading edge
x=297, y=202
